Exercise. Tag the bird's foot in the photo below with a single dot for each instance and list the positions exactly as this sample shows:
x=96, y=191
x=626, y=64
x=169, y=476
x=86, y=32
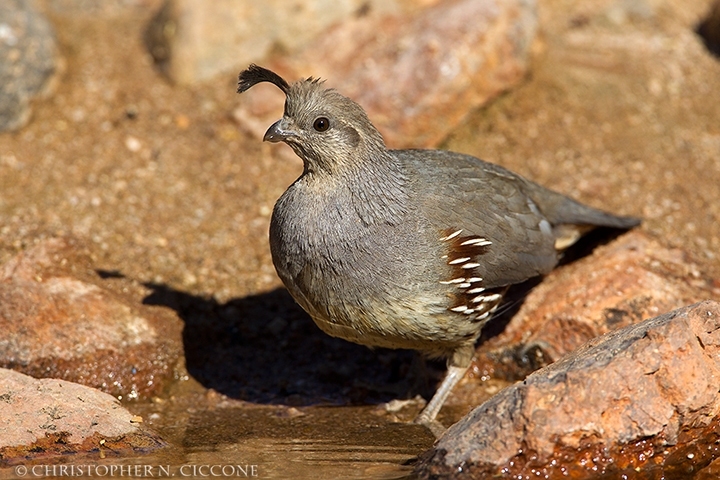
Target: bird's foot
x=435, y=427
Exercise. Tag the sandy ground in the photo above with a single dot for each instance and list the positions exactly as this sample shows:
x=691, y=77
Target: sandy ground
x=159, y=178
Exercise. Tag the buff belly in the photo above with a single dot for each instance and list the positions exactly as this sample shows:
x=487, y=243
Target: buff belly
x=434, y=330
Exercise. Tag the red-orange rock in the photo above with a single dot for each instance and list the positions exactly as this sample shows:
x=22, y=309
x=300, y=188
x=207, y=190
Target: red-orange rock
x=418, y=78
x=59, y=322
x=41, y=418
x=641, y=401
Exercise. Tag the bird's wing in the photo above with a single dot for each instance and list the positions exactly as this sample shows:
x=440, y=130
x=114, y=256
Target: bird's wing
x=484, y=200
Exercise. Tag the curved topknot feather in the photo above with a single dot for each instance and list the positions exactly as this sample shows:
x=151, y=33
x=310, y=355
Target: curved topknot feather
x=255, y=74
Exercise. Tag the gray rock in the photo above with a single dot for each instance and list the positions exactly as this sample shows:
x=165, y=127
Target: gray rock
x=641, y=398
x=28, y=60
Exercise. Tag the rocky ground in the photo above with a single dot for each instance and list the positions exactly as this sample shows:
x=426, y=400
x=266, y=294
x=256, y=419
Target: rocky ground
x=129, y=191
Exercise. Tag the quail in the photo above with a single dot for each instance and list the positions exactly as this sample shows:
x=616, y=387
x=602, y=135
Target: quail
x=405, y=248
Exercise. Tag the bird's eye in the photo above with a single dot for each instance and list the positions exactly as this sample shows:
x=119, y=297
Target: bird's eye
x=321, y=124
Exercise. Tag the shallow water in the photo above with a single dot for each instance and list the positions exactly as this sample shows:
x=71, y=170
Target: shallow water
x=280, y=442
x=324, y=442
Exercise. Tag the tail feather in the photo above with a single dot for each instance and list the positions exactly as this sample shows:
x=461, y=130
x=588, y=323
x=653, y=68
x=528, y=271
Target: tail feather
x=571, y=212
x=575, y=220
x=572, y=219
x=560, y=209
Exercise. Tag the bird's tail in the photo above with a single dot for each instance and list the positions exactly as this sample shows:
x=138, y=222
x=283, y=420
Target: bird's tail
x=572, y=219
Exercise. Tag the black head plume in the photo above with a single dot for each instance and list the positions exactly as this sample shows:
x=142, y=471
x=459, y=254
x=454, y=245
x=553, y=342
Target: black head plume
x=255, y=74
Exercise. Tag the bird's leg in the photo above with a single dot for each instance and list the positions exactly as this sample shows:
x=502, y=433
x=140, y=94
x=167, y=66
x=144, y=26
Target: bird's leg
x=457, y=366
x=452, y=377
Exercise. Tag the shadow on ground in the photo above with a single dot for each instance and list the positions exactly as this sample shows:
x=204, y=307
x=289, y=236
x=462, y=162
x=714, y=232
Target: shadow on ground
x=265, y=349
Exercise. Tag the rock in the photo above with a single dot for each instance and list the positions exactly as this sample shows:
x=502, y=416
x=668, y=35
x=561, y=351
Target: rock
x=28, y=60
x=640, y=399
x=59, y=321
x=193, y=40
x=621, y=283
x=46, y=417
x=419, y=77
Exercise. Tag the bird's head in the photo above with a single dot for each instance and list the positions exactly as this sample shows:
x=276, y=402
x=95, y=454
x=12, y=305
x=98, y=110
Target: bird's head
x=324, y=128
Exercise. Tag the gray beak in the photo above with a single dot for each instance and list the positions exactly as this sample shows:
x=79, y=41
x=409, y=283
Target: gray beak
x=278, y=132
